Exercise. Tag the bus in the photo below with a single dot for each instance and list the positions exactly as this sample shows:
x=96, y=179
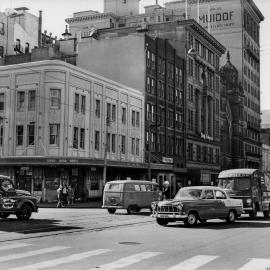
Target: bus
x=250, y=185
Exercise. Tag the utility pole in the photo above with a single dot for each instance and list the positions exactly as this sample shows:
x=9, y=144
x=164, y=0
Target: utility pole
x=149, y=150
x=105, y=151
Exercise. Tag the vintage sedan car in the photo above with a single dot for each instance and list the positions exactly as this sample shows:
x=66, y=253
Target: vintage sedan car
x=17, y=202
x=197, y=203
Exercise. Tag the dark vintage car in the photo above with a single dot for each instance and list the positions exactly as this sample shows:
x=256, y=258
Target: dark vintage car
x=193, y=204
x=18, y=202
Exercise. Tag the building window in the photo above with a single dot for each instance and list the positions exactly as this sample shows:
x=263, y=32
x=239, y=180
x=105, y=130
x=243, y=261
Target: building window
x=1, y=132
x=1, y=51
x=113, y=112
x=108, y=142
x=97, y=140
x=2, y=102
x=76, y=103
x=123, y=144
x=31, y=134
x=55, y=97
x=137, y=119
x=54, y=134
x=19, y=135
x=132, y=146
x=82, y=138
x=83, y=104
x=113, y=143
x=133, y=118
x=124, y=115
x=2, y=28
x=20, y=101
x=198, y=153
x=31, y=100
x=75, y=137
x=108, y=111
x=137, y=147
x=97, y=111
x=190, y=151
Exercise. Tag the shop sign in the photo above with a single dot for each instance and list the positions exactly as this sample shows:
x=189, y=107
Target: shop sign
x=167, y=160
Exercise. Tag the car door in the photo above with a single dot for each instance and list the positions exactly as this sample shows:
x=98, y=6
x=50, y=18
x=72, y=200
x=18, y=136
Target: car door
x=208, y=205
x=221, y=199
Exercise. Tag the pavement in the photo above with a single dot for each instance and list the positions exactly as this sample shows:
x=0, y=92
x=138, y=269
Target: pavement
x=88, y=204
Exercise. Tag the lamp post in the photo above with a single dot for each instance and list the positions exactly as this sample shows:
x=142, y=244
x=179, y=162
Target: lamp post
x=105, y=152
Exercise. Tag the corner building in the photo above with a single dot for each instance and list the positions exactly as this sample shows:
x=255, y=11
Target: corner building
x=57, y=121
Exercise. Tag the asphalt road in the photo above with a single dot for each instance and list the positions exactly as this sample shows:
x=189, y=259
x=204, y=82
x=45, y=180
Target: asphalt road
x=93, y=239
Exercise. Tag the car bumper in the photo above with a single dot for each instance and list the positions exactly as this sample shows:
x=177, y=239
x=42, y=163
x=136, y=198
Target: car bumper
x=175, y=216
x=112, y=206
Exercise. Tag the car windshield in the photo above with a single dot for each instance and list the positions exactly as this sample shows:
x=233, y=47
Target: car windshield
x=188, y=194
x=236, y=184
x=6, y=185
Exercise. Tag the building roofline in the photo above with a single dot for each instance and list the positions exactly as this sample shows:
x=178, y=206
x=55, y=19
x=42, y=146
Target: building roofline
x=57, y=63
x=256, y=10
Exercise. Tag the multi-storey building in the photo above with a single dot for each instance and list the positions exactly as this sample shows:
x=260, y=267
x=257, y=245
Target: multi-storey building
x=60, y=123
x=126, y=61
x=19, y=31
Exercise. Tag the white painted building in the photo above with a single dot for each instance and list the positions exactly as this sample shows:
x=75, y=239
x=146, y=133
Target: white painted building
x=56, y=121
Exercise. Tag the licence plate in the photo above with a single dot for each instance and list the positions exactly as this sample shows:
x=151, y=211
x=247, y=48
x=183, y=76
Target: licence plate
x=163, y=216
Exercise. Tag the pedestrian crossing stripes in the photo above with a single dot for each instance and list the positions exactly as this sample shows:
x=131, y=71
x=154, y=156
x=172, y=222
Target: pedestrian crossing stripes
x=63, y=260
x=13, y=246
x=127, y=261
x=30, y=253
x=193, y=263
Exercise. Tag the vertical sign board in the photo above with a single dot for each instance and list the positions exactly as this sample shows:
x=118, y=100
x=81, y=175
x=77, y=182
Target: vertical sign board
x=217, y=15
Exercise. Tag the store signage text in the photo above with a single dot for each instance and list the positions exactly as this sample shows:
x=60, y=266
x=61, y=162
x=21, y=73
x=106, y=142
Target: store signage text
x=167, y=160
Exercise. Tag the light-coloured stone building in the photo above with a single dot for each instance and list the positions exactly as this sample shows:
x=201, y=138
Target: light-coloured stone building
x=56, y=122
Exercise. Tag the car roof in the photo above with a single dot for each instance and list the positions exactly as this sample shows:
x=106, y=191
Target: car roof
x=203, y=187
x=236, y=173
x=131, y=181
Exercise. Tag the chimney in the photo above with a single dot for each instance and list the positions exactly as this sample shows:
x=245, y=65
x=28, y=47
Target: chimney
x=40, y=29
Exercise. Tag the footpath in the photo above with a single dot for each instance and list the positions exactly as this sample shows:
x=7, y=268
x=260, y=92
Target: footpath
x=88, y=204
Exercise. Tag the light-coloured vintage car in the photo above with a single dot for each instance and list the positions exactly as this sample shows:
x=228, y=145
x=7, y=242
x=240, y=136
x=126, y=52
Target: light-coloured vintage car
x=197, y=203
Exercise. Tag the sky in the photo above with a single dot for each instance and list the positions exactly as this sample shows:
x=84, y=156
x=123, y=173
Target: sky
x=56, y=11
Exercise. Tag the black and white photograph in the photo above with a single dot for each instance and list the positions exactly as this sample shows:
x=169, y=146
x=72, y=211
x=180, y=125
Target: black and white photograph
x=134, y=134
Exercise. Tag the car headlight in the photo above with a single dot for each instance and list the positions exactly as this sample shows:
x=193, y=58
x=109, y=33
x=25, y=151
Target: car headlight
x=248, y=201
x=180, y=206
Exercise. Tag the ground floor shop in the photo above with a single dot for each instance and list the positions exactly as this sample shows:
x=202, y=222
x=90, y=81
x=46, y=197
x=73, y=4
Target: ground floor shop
x=42, y=176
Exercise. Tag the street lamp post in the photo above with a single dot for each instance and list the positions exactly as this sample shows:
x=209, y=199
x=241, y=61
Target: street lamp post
x=105, y=152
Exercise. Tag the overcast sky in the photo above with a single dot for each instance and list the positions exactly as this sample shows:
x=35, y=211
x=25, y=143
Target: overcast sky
x=56, y=11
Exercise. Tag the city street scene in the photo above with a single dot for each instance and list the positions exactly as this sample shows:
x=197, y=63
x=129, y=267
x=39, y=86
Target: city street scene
x=134, y=134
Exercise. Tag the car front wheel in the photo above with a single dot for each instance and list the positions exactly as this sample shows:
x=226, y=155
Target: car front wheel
x=231, y=217
x=111, y=210
x=162, y=221
x=191, y=220
x=24, y=212
x=4, y=215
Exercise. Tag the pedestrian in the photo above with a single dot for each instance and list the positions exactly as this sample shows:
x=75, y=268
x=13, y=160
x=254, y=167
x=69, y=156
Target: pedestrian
x=166, y=191
x=60, y=197
x=70, y=195
x=65, y=195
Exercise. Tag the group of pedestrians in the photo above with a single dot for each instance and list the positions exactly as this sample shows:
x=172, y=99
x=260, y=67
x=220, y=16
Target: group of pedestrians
x=65, y=195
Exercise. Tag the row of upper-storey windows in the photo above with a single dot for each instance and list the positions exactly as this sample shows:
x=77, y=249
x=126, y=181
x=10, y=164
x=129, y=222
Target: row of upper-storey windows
x=251, y=75
x=251, y=26
x=27, y=99
x=203, y=51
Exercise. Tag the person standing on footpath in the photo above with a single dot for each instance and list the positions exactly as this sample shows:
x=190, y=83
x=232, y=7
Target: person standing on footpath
x=65, y=195
x=60, y=196
x=166, y=192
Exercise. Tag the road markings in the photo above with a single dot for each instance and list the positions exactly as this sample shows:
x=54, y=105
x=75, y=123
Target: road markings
x=63, y=260
x=30, y=253
x=193, y=263
x=121, y=263
x=12, y=246
x=256, y=264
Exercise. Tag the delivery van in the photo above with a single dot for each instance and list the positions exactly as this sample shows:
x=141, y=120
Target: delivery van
x=132, y=195
x=250, y=185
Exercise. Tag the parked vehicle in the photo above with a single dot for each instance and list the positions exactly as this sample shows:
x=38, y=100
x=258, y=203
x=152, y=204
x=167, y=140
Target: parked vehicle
x=251, y=186
x=132, y=195
x=18, y=202
x=197, y=203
